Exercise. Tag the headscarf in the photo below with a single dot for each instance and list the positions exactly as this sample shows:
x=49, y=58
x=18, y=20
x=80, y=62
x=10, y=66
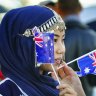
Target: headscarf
x=17, y=52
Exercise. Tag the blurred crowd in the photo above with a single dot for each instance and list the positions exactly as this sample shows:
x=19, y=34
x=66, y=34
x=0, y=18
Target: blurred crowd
x=87, y=15
x=80, y=33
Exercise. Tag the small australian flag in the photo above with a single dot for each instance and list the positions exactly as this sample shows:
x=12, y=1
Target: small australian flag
x=87, y=64
x=44, y=42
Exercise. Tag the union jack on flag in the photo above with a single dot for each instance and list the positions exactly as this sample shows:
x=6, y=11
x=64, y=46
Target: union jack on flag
x=44, y=46
x=87, y=64
x=38, y=36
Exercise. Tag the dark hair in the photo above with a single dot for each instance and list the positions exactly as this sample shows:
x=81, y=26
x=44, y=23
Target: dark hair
x=50, y=4
x=72, y=6
x=3, y=9
x=47, y=3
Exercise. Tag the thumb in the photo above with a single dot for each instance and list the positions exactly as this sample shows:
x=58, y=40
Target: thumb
x=68, y=70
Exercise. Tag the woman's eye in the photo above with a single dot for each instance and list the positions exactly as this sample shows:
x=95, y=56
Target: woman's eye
x=63, y=40
x=55, y=40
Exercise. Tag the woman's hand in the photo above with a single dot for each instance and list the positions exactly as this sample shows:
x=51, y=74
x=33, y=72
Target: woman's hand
x=66, y=90
x=68, y=76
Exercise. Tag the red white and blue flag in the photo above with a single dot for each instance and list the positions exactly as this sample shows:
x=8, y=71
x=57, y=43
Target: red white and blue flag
x=87, y=64
x=44, y=46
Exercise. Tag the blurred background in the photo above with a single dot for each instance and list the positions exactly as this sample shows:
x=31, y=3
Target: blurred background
x=88, y=5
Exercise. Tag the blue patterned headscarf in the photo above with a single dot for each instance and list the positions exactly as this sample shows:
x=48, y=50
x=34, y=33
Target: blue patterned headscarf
x=17, y=52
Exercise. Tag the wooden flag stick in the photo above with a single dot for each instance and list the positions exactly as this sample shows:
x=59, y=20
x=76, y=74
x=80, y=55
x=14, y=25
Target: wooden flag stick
x=55, y=73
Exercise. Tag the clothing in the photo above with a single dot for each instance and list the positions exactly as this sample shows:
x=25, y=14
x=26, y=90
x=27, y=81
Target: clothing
x=92, y=25
x=17, y=51
x=1, y=76
x=3, y=9
x=10, y=88
x=94, y=91
x=79, y=40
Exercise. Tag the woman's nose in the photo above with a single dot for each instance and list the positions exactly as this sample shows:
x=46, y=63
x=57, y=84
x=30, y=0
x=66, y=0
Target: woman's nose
x=61, y=49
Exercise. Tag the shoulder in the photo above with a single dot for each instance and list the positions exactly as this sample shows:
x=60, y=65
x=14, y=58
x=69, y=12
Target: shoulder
x=77, y=33
x=9, y=88
x=6, y=83
x=78, y=28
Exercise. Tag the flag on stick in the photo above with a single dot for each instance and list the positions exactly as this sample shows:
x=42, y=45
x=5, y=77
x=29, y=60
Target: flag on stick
x=44, y=46
x=86, y=64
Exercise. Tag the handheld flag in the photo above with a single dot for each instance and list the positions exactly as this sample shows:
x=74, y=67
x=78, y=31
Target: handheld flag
x=44, y=46
x=87, y=64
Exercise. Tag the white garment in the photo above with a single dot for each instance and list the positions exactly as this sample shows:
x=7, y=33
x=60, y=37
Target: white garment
x=94, y=91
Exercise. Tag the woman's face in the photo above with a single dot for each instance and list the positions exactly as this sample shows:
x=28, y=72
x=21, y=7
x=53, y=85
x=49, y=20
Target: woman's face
x=59, y=49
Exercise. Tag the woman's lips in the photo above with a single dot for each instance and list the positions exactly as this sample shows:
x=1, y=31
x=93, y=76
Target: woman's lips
x=58, y=61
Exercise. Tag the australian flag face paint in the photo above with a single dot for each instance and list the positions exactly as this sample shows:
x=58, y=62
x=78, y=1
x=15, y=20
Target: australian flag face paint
x=44, y=46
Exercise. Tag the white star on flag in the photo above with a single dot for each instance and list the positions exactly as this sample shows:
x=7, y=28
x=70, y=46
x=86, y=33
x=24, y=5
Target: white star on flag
x=48, y=38
x=87, y=70
x=49, y=58
x=51, y=44
x=46, y=45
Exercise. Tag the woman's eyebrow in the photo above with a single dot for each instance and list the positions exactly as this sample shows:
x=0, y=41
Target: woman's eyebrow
x=56, y=35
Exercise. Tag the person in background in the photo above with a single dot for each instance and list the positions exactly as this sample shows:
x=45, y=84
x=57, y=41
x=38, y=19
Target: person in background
x=17, y=55
x=88, y=16
x=2, y=11
x=79, y=38
x=92, y=25
x=49, y=3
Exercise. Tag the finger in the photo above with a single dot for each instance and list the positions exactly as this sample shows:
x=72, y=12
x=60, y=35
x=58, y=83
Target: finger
x=61, y=73
x=62, y=86
x=68, y=70
x=64, y=91
x=62, y=64
x=67, y=91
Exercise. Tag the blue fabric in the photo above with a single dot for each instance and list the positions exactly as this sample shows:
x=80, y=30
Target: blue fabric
x=72, y=17
x=11, y=88
x=92, y=25
x=17, y=52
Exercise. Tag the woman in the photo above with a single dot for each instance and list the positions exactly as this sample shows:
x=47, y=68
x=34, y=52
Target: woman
x=17, y=55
